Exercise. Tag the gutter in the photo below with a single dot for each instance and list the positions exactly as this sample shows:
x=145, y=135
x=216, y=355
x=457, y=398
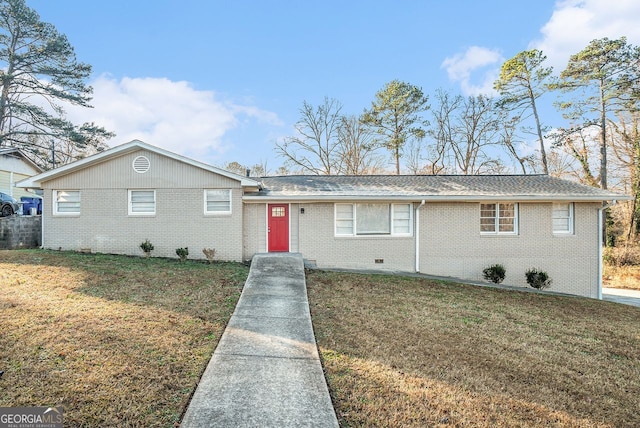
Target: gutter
x=418, y=236
x=601, y=211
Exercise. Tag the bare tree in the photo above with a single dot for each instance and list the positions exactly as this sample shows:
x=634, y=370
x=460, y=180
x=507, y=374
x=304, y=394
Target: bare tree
x=625, y=142
x=314, y=149
x=356, y=149
x=441, y=131
x=476, y=128
x=509, y=141
x=581, y=144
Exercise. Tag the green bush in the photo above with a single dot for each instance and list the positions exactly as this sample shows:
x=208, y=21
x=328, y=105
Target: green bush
x=147, y=247
x=182, y=253
x=494, y=273
x=538, y=279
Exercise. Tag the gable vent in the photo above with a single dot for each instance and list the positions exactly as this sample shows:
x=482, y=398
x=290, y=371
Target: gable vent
x=141, y=164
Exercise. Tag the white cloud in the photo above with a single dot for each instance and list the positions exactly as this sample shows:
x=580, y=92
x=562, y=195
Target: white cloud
x=168, y=114
x=575, y=23
x=475, y=69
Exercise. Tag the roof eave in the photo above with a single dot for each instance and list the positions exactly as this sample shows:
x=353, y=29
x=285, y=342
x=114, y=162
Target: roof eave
x=37, y=180
x=435, y=198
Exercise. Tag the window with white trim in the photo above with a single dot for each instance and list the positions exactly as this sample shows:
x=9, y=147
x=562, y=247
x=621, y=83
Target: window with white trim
x=499, y=219
x=562, y=218
x=66, y=202
x=217, y=201
x=142, y=202
x=370, y=219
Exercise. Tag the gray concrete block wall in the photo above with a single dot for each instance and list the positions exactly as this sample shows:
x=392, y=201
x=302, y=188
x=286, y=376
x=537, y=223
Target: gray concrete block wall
x=20, y=232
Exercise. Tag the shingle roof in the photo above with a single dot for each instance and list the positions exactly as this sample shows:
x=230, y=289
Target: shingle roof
x=431, y=187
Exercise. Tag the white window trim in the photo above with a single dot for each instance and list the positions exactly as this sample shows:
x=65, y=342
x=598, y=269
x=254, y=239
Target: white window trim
x=55, y=204
x=139, y=214
x=571, y=220
x=516, y=219
x=391, y=234
x=218, y=213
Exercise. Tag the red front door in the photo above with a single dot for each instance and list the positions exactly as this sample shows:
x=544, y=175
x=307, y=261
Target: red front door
x=278, y=230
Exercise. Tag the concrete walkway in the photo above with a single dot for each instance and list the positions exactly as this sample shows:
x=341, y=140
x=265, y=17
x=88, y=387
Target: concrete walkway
x=621, y=295
x=266, y=370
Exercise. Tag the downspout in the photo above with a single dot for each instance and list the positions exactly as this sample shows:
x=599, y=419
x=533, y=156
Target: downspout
x=601, y=211
x=418, y=235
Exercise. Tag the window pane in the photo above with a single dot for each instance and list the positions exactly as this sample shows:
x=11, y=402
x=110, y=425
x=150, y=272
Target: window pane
x=487, y=210
x=498, y=218
x=344, y=211
x=506, y=225
x=507, y=210
x=487, y=225
x=561, y=218
x=402, y=218
x=560, y=224
x=344, y=227
x=143, y=201
x=68, y=201
x=219, y=200
x=344, y=219
x=372, y=219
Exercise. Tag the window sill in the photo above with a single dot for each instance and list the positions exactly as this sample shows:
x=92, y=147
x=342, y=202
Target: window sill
x=499, y=235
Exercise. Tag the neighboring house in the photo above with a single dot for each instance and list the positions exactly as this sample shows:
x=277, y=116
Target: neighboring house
x=442, y=225
x=15, y=166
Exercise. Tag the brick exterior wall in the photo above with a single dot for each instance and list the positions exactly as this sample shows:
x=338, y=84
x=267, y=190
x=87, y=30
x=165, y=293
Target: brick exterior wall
x=104, y=225
x=20, y=232
x=450, y=244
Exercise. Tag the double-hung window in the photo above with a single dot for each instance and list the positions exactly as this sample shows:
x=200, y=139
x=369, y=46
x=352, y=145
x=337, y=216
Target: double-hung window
x=562, y=219
x=371, y=219
x=142, y=202
x=499, y=219
x=66, y=202
x=217, y=201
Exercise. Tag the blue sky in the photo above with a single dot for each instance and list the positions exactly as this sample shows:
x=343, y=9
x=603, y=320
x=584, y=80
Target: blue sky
x=223, y=81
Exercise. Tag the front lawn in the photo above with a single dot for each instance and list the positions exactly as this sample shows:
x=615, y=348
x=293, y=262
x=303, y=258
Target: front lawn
x=116, y=341
x=401, y=352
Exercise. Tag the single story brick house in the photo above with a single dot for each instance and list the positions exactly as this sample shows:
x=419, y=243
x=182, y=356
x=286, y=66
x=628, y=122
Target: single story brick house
x=442, y=225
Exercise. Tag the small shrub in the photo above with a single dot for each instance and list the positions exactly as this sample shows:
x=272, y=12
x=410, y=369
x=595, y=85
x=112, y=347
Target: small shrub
x=182, y=253
x=147, y=247
x=209, y=253
x=538, y=279
x=494, y=273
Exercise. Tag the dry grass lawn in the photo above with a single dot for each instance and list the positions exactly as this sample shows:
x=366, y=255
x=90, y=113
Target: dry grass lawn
x=627, y=276
x=402, y=352
x=116, y=341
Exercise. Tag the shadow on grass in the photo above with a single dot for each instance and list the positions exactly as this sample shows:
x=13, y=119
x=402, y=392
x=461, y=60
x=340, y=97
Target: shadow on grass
x=478, y=356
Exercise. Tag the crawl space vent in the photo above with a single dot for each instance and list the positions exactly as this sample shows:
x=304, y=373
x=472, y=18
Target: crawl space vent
x=141, y=164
